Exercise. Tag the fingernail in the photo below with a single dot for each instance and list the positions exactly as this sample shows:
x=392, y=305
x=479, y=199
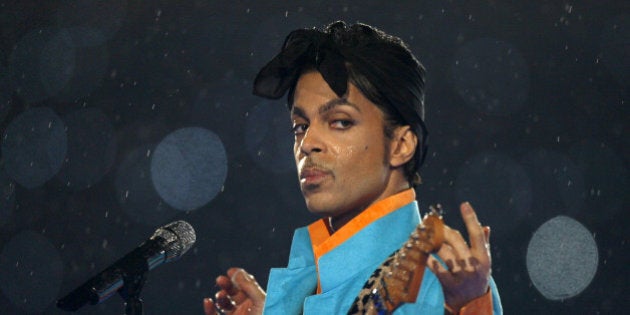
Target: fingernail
x=240, y=272
x=467, y=208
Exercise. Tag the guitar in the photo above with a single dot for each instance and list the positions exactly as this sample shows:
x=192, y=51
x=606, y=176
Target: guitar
x=397, y=280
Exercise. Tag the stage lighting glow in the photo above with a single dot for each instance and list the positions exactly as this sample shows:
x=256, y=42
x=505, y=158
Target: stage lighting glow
x=135, y=192
x=42, y=64
x=189, y=167
x=34, y=147
x=562, y=258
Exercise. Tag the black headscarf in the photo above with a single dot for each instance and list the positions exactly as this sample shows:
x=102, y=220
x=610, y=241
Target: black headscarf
x=379, y=65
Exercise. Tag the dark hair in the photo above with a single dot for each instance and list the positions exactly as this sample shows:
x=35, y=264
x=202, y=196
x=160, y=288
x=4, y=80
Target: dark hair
x=379, y=65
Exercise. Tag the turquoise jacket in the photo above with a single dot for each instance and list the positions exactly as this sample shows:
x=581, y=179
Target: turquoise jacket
x=344, y=270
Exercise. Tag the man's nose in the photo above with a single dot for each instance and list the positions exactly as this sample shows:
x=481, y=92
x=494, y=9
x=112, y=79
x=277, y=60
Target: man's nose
x=312, y=141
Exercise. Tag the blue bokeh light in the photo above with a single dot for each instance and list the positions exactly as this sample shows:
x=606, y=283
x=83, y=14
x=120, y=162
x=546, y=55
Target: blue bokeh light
x=34, y=147
x=562, y=258
x=42, y=63
x=189, y=167
x=135, y=191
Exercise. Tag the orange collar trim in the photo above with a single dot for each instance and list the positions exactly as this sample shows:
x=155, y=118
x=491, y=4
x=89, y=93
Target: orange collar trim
x=323, y=242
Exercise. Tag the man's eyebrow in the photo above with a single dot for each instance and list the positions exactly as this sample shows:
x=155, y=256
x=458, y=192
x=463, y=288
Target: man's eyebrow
x=296, y=111
x=334, y=103
x=326, y=107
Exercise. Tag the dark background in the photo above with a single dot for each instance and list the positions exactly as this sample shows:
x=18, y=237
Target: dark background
x=526, y=107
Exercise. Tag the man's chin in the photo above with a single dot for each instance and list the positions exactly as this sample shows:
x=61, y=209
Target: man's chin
x=319, y=205
x=310, y=189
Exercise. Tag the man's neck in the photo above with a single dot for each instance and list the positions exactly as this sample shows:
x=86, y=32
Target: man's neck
x=336, y=223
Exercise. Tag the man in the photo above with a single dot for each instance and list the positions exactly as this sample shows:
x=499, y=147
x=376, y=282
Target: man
x=356, y=99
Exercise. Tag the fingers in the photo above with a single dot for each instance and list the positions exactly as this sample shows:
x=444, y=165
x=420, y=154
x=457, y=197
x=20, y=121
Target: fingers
x=436, y=266
x=208, y=307
x=238, y=286
x=467, y=271
x=486, y=233
x=476, y=233
x=239, y=293
x=224, y=302
x=230, y=289
x=455, y=251
x=246, y=286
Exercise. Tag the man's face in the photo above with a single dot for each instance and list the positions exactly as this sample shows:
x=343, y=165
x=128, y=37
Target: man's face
x=340, y=149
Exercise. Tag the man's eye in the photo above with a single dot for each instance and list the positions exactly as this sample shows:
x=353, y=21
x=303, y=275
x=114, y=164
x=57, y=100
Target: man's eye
x=299, y=128
x=342, y=124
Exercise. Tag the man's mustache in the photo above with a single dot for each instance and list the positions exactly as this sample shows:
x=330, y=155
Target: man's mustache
x=311, y=166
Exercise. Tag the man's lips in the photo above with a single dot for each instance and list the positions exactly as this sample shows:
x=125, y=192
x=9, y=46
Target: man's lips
x=313, y=176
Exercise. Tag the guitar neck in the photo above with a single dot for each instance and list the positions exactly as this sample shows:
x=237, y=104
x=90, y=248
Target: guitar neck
x=398, y=279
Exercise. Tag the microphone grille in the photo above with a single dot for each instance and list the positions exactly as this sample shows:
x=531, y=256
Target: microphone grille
x=179, y=237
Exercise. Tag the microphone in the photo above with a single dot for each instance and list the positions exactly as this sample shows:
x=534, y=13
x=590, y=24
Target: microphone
x=167, y=244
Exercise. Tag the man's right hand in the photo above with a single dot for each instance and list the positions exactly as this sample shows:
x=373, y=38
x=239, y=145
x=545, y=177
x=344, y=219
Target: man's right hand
x=239, y=294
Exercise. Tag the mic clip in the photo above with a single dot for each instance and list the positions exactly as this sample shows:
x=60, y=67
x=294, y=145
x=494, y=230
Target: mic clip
x=130, y=292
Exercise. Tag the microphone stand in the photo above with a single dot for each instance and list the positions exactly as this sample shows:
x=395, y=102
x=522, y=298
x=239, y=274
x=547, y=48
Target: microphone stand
x=130, y=292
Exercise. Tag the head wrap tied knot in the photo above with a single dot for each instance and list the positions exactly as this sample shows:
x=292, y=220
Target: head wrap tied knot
x=302, y=47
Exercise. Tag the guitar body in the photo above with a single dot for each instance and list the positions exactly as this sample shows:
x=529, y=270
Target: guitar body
x=398, y=279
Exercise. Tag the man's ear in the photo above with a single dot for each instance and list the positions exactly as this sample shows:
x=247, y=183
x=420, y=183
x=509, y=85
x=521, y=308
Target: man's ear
x=402, y=146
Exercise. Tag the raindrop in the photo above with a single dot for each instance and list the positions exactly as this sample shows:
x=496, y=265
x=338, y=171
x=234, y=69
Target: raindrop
x=497, y=187
x=92, y=148
x=268, y=37
x=552, y=171
x=7, y=197
x=606, y=174
x=6, y=89
x=136, y=193
x=614, y=47
x=491, y=76
x=267, y=138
